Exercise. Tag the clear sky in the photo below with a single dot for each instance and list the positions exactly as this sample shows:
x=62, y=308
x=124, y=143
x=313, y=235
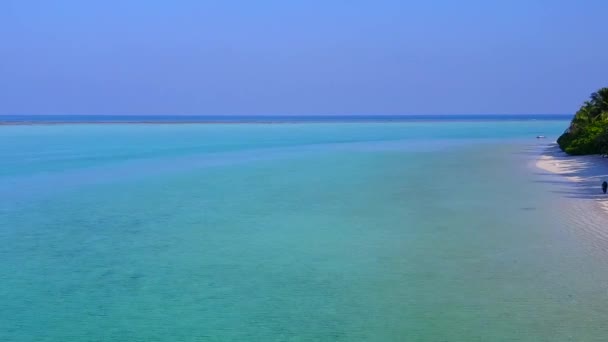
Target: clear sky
x=300, y=57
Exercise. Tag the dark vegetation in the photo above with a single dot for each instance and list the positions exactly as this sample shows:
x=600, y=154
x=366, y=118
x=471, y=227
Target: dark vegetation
x=588, y=131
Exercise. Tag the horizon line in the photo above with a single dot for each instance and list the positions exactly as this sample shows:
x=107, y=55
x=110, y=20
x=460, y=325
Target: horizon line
x=298, y=115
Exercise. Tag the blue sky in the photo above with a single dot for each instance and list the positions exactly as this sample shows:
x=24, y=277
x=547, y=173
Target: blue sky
x=300, y=57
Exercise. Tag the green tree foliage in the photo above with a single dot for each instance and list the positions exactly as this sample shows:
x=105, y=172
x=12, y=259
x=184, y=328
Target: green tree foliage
x=588, y=131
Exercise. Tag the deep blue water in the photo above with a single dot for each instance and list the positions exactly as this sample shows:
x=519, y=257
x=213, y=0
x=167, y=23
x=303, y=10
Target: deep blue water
x=269, y=118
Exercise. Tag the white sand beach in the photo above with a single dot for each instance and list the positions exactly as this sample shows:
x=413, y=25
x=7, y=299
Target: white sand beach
x=587, y=172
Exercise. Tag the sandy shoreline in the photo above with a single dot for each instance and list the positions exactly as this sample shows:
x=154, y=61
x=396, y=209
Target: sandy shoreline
x=585, y=172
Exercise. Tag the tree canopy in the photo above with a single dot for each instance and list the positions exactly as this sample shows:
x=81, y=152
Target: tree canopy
x=588, y=131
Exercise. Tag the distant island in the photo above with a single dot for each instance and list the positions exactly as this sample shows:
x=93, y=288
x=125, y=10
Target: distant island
x=588, y=131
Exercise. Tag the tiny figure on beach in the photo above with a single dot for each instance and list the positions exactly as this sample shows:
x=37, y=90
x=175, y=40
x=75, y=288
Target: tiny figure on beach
x=604, y=186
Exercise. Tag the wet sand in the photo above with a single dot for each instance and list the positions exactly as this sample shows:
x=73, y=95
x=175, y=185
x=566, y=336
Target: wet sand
x=585, y=172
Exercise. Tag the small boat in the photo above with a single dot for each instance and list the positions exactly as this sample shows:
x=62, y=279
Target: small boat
x=540, y=137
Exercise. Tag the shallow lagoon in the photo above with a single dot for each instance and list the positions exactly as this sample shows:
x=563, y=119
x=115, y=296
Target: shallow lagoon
x=434, y=231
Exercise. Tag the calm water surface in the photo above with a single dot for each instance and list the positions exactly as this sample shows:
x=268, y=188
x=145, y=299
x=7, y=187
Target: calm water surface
x=416, y=231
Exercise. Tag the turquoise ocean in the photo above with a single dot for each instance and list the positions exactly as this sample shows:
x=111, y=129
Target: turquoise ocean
x=426, y=230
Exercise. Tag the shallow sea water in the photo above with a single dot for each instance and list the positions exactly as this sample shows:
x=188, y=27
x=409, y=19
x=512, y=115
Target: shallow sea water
x=425, y=231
